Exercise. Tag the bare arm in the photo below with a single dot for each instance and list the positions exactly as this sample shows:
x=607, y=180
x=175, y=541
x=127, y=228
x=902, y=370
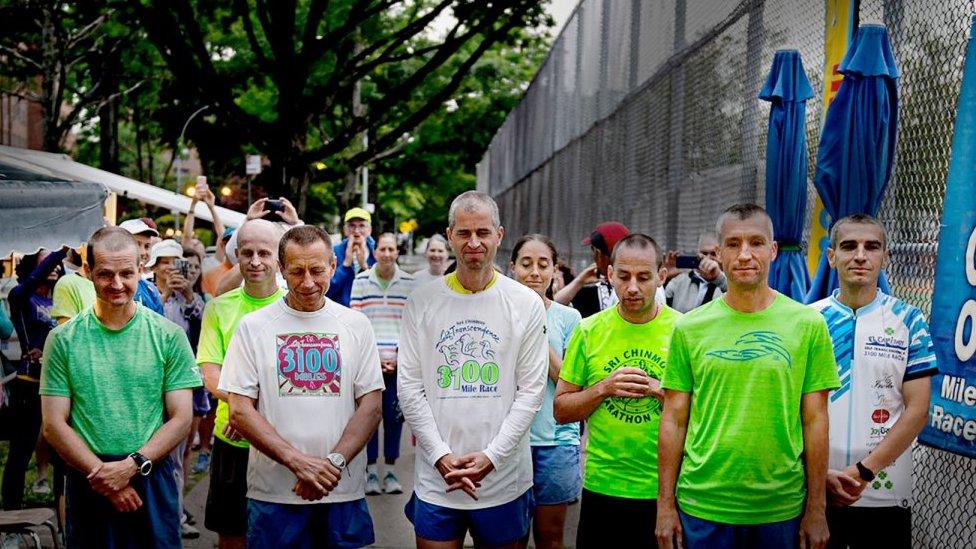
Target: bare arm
x=362, y=424
x=55, y=411
x=211, y=378
x=908, y=426
x=555, y=365
x=670, y=449
x=188, y=223
x=218, y=226
x=179, y=411
x=569, y=291
x=813, y=525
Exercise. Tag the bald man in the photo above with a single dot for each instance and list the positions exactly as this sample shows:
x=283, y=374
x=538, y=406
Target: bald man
x=257, y=259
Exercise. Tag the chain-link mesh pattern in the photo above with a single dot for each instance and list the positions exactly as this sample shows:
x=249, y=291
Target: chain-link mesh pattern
x=646, y=113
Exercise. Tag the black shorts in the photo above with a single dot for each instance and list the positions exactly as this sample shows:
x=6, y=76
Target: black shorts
x=226, y=511
x=610, y=521
x=858, y=527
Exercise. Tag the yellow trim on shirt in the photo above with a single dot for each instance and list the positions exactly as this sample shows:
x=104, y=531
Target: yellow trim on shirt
x=454, y=284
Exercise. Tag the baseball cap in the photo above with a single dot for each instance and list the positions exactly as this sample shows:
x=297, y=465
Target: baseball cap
x=606, y=235
x=357, y=213
x=164, y=248
x=137, y=226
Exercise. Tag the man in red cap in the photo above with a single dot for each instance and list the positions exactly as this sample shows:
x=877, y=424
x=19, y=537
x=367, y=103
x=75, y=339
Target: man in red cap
x=590, y=292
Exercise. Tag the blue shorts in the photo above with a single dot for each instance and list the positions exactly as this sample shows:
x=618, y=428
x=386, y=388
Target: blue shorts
x=556, y=474
x=705, y=534
x=500, y=525
x=201, y=402
x=92, y=521
x=342, y=525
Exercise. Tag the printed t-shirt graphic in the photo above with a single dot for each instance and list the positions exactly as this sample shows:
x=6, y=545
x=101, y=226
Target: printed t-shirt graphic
x=882, y=345
x=306, y=370
x=747, y=373
x=309, y=364
x=462, y=358
x=621, y=448
x=220, y=318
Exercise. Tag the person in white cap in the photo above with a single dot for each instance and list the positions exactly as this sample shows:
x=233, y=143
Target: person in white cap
x=146, y=293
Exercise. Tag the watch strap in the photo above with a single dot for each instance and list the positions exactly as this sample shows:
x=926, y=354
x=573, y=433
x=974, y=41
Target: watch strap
x=866, y=474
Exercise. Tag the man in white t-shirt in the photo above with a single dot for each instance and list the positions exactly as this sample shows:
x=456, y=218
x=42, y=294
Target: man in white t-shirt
x=303, y=378
x=472, y=366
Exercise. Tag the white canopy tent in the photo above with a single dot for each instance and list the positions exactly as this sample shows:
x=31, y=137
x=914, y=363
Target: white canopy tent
x=62, y=165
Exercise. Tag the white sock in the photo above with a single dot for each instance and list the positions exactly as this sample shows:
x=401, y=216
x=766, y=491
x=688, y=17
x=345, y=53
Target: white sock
x=371, y=468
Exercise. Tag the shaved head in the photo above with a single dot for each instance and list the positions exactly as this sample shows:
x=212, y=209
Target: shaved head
x=258, y=229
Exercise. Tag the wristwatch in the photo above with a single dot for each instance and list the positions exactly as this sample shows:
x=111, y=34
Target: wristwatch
x=335, y=458
x=142, y=462
x=866, y=474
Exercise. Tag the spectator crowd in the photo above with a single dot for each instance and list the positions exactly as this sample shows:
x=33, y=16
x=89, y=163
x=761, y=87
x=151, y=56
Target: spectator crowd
x=677, y=398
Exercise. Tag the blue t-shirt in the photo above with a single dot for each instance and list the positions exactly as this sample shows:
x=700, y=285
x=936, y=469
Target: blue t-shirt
x=560, y=323
x=148, y=295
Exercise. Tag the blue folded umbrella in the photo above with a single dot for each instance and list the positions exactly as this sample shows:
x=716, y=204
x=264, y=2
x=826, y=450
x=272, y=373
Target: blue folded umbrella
x=787, y=89
x=857, y=146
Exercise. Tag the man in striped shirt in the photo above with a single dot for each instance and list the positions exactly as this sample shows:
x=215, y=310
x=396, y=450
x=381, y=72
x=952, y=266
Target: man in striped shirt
x=381, y=293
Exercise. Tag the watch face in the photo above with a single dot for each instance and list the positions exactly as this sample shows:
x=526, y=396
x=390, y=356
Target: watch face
x=337, y=460
x=145, y=468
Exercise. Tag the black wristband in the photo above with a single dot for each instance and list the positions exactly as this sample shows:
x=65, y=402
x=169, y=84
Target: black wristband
x=866, y=474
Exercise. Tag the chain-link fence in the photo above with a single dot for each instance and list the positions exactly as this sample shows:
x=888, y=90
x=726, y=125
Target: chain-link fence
x=646, y=113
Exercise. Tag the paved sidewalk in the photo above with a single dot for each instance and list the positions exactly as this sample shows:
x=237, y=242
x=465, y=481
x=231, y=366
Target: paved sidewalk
x=393, y=530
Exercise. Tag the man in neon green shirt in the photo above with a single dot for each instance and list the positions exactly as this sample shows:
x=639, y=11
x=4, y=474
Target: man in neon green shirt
x=611, y=379
x=72, y=293
x=745, y=411
x=257, y=254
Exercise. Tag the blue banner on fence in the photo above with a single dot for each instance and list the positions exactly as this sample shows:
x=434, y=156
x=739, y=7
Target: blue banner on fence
x=952, y=413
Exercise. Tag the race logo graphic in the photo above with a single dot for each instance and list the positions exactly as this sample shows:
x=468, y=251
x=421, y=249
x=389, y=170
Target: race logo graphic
x=754, y=345
x=880, y=415
x=468, y=368
x=635, y=410
x=309, y=365
x=886, y=346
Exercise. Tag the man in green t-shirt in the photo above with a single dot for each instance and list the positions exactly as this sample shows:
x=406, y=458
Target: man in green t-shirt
x=745, y=410
x=611, y=379
x=116, y=399
x=257, y=254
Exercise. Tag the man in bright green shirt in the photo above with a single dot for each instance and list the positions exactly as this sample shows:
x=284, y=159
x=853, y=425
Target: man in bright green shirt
x=116, y=399
x=257, y=253
x=72, y=294
x=745, y=413
x=611, y=379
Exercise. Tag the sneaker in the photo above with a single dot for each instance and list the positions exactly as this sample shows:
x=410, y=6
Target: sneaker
x=372, y=485
x=203, y=462
x=391, y=485
x=41, y=487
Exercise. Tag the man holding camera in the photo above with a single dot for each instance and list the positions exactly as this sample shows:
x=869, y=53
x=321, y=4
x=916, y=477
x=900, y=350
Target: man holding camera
x=353, y=255
x=703, y=283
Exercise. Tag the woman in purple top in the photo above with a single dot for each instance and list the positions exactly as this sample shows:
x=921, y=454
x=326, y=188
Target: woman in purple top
x=30, y=312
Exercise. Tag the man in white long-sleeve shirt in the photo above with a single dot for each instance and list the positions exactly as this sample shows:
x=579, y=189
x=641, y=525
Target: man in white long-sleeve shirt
x=472, y=373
